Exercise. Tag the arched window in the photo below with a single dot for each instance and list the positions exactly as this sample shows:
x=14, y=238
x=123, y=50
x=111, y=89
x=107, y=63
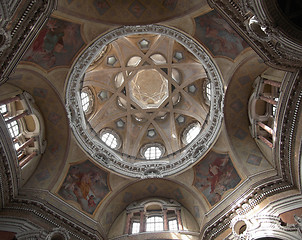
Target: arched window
x=86, y=100
x=153, y=151
x=110, y=138
x=153, y=215
x=154, y=224
x=191, y=132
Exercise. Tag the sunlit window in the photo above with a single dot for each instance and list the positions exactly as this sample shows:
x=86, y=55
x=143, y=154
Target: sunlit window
x=274, y=107
x=85, y=101
x=110, y=138
x=135, y=227
x=154, y=224
x=208, y=90
x=3, y=109
x=191, y=132
x=13, y=129
x=153, y=151
x=173, y=225
x=17, y=145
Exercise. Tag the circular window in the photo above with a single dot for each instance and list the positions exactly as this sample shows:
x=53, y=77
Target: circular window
x=151, y=76
x=191, y=132
x=152, y=151
x=86, y=100
x=110, y=138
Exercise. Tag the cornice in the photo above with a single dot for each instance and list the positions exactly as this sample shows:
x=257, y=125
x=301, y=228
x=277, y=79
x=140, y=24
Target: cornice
x=274, y=39
x=245, y=203
x=19, y=31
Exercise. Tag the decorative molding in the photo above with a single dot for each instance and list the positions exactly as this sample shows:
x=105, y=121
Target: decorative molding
x=19, y=31
x=124, y=164
x=262, y=25
x=248, y=201
x=263, y=226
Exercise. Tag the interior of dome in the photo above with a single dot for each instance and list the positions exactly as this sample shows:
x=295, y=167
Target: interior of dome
x=139, y=119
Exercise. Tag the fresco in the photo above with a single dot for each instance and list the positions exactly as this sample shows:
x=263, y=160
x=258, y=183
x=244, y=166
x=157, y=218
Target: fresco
x=85, y=184
x=218, y=36
x=215, y=175
x=57, y=43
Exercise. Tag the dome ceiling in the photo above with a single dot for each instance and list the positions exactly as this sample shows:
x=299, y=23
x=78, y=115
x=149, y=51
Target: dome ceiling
x=127, y=12
x=146, y=101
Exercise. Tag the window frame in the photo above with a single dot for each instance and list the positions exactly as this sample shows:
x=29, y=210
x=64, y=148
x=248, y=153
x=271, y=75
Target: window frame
x=155, y=223
x=187, y=131
x=145, y=148
x=115, y=136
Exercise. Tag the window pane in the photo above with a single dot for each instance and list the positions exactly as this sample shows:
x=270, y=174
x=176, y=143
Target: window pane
x=193, y=132
x=153, y=153
x=154, y=224
x=173, y=225
x=13, y=129
x=85, y=101
x=208, y=90
x=110, y=140
x=3, y=109
x=135, y=227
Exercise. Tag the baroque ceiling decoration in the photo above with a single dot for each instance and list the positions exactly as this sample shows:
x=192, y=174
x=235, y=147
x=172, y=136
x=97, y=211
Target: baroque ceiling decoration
x=157, y=101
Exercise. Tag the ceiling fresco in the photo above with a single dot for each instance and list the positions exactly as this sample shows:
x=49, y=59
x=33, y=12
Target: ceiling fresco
x=56, y=45
x=125, y=12
x=72, y=175
x=215, y=175
x=85, y=184
x=218, y=36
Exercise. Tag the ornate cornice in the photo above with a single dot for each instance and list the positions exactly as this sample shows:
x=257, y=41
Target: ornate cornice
x=19, y=31
x=125, y=164
x=245, y=203
x=262, y=25
x=287, y=124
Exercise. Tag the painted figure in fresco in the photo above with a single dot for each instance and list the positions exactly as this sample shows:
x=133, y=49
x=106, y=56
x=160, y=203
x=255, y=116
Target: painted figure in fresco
x=215, y=175
x=218, y=36
x=55, y=45
x=86, y=185
x=215, y=171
